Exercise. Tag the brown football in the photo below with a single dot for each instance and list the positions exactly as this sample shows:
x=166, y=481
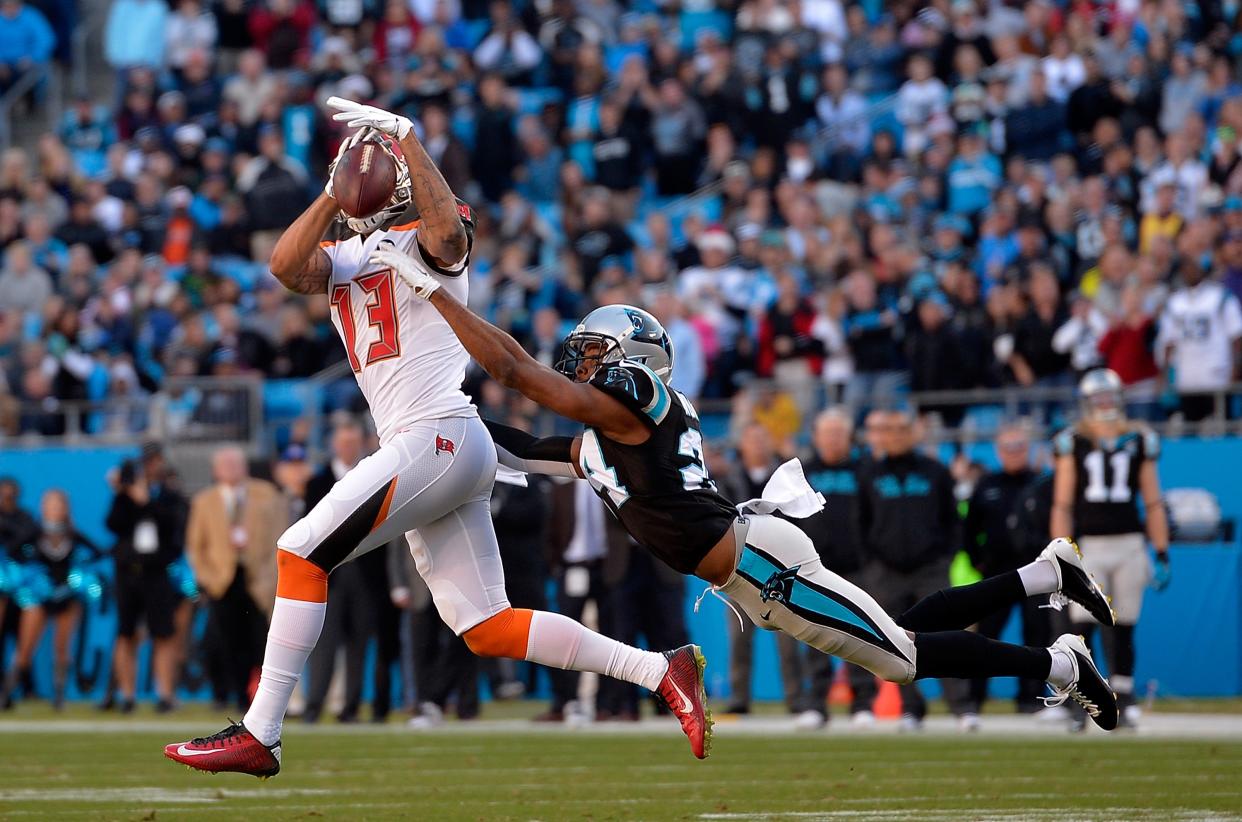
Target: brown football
x=364, y=180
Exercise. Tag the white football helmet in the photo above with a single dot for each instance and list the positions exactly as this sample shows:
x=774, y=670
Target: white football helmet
x=618, y=332
x=1100, y=395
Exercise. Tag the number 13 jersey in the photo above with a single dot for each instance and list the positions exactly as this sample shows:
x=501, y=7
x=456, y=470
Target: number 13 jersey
x=1107, y=489
x=408, y=362
x=659, y=489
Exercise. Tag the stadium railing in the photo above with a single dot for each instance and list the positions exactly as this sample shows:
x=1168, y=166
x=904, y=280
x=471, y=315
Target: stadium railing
x=185, y=410
x=1045, y=409
x=41, y=79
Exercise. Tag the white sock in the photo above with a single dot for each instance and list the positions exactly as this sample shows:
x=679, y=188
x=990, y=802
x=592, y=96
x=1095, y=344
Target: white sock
x=1039, y=577
x=559, y=642
x=295, y=629
x=1062, y=672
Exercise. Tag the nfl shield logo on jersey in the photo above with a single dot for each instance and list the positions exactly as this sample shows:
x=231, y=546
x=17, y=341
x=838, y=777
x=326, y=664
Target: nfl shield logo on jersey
x=444, y=446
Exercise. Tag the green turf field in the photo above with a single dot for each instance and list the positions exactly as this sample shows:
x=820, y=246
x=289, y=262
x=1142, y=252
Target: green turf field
x=362, y=773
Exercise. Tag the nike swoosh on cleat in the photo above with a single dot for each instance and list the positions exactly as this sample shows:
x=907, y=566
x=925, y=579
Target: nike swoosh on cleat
x=184, y=751
x=685, y=708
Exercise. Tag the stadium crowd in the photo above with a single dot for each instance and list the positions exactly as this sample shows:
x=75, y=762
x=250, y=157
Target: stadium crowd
x=921, y=195
x=846, y=200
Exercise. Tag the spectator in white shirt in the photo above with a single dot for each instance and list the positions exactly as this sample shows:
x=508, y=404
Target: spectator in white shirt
x=1063, y=69
x=190, y=28
x=844, y=111
x=827, y=19
x=1201, y=338
x=1080, y=335
x=918, y=100
x=508, y=48
x=1181, y=169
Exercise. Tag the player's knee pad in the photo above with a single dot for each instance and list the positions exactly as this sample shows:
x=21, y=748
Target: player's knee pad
x=507, y=634
x=299, y=578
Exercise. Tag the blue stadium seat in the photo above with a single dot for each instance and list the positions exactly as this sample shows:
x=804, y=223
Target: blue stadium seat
x=693, y=22
x=532, y=100
x=984, y=419
x=290, y=399
x=615, y=56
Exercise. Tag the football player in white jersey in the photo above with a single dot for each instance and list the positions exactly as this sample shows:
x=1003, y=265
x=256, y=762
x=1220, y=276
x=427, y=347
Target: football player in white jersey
x=431, y=479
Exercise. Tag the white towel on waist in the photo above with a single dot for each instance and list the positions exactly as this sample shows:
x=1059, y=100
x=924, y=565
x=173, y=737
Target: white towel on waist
x=788, y=492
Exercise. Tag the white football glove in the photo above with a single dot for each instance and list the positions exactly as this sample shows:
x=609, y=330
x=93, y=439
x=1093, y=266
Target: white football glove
x=420, y=282
x=349, y=142
x=356, y=115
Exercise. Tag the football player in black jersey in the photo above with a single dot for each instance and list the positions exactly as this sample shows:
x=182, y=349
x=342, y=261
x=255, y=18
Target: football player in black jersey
x=1105, y=464
x=642, y=453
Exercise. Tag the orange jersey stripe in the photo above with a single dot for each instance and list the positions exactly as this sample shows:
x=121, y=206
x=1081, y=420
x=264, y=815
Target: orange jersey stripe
x=383, y=511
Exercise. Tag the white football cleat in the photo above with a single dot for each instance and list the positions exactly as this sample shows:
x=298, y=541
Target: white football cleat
x=1074, y=583
x=810, y=720
x=1087, y=686
x=862, y=720
x=969, y=723
x=429, y=716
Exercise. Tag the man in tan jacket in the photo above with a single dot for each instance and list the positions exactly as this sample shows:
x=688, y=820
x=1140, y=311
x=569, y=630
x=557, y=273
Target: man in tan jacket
x=231, y=544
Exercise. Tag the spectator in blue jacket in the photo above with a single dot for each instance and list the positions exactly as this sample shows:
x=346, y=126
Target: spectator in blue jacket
x=973, y=175
x=26, y=40
x=134, y=35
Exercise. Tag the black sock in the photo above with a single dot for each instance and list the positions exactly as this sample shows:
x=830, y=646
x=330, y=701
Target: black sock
x=952, y=609
x=1123, y=651
x=967, y=654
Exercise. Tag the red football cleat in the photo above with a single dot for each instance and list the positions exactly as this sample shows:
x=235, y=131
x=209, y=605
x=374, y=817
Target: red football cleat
x=233, y=750
x=682, y=690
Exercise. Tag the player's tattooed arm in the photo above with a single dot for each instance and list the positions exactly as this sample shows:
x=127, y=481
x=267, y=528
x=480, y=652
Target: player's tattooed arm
x=297, y=260
x=440, y=231
x=508, y=363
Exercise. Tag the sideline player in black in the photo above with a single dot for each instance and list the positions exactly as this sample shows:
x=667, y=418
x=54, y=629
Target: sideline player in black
x=642, y=453
x=1105, y=463
x=996, y=544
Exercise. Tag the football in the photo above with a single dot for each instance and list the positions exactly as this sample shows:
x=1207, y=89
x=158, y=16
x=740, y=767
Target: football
x=364, y=179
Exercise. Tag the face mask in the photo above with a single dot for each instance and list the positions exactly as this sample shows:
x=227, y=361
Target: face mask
x=54, y=528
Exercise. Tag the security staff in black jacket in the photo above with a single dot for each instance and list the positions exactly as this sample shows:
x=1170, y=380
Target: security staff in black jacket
x=837, y=533
x=994, y=540
x=756, y=462
x=911, y=526
x=148, y=517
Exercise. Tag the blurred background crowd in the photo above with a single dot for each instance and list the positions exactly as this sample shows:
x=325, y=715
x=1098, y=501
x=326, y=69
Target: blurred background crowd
x=956, y=206
x=856, y=198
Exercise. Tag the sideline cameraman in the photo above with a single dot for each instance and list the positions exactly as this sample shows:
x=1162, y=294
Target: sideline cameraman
x=148, y=517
